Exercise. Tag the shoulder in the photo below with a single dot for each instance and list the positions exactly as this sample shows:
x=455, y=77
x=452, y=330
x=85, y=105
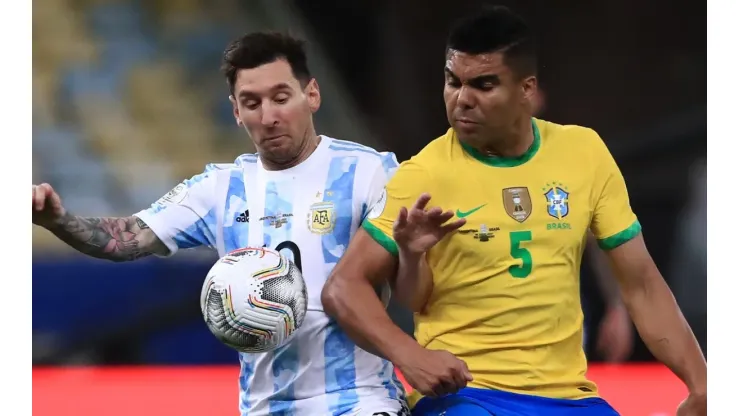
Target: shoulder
x=571, y=133
x=366, y=155
x=234, y=168
x=438, y=152
x=426, y=167
x=218, y=168
x=215, y=173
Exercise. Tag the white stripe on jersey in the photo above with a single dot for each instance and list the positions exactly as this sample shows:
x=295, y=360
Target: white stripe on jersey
x=309, y=212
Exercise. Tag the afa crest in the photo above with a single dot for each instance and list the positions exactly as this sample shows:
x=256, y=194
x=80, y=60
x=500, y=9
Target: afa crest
x=557, y=200
x=321, y=217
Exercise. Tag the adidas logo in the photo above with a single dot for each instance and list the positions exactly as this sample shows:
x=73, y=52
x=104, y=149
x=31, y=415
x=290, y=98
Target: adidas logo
x=243, y=217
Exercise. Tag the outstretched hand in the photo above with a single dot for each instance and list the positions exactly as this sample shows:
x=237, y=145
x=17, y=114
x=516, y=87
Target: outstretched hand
x=418, y=229
x=46, y=205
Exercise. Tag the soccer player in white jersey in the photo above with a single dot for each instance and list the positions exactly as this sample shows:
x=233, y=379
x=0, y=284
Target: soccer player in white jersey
x=301, y=193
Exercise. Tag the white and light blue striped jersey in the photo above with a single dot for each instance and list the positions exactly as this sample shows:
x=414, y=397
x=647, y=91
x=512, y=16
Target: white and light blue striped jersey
x=308, y=212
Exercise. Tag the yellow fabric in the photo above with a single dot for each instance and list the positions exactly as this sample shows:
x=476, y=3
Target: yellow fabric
x=506, y=296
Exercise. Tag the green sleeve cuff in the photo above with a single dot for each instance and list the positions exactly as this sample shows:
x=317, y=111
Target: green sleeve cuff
x=380, y=237
x=621, y=237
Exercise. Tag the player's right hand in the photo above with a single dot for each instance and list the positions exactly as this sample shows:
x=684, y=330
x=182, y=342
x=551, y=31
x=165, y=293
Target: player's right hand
x=47, y=206
x=418, y=229
x=435, y=373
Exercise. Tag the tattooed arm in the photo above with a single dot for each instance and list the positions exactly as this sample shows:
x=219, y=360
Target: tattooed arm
x=174, y=222
x=115, y=239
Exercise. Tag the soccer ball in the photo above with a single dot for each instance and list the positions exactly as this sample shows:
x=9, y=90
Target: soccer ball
x=253, y=299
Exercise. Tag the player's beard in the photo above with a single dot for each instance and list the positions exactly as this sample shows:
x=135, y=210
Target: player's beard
x=284, y=152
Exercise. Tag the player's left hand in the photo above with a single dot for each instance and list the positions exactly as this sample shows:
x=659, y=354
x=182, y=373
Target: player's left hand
x=418, y=229
x=615, y=337
x=694, y=405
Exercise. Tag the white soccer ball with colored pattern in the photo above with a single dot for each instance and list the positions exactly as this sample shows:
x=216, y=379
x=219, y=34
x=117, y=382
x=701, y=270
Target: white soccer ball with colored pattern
x=254, y=299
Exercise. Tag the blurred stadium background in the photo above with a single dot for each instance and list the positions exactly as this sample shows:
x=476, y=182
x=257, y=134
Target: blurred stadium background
x=128, y=101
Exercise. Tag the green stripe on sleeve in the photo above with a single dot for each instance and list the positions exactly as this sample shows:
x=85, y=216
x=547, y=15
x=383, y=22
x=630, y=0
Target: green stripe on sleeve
x=380, y=237
x=621, y=237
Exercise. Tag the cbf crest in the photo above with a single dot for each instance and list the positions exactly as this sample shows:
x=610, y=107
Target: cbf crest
x=518, y=203
x=321, y=217
x=557, y=200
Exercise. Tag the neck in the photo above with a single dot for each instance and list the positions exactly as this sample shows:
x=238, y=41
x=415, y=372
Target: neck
x=512, y=142
x=310, y=144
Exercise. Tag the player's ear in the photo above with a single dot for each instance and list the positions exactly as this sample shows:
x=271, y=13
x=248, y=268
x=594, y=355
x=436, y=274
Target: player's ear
x=529, y=88
x=235, y=107
x=313, y=95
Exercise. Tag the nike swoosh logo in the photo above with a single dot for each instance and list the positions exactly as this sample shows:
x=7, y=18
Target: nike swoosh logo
x=463, y=214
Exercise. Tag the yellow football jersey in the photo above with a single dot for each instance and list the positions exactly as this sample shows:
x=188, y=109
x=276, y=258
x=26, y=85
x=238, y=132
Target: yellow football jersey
x=506, y=296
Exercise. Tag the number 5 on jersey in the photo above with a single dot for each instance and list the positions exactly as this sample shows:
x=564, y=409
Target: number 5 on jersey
x=518, y=252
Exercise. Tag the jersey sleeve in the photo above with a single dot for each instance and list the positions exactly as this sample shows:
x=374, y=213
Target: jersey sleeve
x=613, y=223
x=381, y=174
x=402, y=190
x=185, y=216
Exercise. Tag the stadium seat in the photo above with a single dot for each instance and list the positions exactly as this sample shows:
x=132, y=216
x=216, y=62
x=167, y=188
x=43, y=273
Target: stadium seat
x=110, y=129
x=115, y=20
x=59, y=36
x=139, y=82
x=73, y=171
x=163, y=103
x=45, y=84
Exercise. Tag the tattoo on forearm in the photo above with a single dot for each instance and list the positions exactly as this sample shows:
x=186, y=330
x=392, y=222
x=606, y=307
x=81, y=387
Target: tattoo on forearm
x=142, y=225
x=105, y=238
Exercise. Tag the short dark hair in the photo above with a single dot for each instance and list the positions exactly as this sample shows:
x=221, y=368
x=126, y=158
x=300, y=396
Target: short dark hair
x=259, y=48
x=496, y=29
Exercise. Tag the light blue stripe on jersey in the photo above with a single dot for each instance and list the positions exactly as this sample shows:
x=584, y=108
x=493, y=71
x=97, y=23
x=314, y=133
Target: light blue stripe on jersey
x=390, y=381
x=339, y=189
x=245, y=374
x=390, y=163
x=203, y=231
x=285, y=366
x=353, y=149
x=339, y=356
x=278, y=204
x=339, y=370
x=158, y=207
x=388, y=159
x=199, y=234
x=246, y=158
x=236, y=234
x=285, y=363
x=354, y=145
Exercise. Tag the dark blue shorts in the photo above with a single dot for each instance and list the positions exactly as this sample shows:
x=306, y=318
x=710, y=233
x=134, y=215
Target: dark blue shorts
x=483, y=402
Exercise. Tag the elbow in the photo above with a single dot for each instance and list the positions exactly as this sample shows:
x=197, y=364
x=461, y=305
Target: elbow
x=330, y=297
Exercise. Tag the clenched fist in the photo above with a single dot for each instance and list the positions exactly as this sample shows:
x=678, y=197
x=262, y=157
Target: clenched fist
x=434, y=373
x=46, y=206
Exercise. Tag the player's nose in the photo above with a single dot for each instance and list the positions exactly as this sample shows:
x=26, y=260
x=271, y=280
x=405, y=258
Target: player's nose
x=465, y=98
x=269, y=118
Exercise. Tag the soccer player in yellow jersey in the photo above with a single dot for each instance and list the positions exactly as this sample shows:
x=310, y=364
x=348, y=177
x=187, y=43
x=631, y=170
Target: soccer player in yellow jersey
x=496, y=290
